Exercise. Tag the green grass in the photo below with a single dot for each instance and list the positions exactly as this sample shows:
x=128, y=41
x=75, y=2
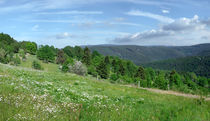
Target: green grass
x=51, y=67
x=27, y=94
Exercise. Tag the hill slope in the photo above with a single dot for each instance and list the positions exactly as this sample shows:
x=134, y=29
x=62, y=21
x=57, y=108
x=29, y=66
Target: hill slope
x=145, y=54
x=197, y=64
x=27, y=94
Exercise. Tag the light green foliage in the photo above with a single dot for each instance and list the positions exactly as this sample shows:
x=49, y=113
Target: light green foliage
x=27, y=94
x=29, y=47
x=16, y=60
x=46, y=53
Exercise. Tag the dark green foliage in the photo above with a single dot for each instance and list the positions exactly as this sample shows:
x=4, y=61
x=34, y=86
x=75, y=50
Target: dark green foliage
x=65, y=68
x=78, y=51
x=8, y=43
x=107, y=60
x=46, y=54
x=140, y=73
x=61, y=57
x=114, y=77
x=36, y=65
x=86, y=57
x=102, y=70
x=121, y=70
x=197, y=64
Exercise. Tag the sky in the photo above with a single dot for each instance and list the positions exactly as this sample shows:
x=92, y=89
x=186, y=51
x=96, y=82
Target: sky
x=92, y=22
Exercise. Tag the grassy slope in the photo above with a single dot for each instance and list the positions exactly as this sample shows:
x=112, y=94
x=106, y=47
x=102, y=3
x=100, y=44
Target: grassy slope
x=47, y=66
x=27, y=94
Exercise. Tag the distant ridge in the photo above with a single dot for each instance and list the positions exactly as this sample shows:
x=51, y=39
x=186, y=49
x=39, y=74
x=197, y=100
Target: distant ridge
x=146, y=54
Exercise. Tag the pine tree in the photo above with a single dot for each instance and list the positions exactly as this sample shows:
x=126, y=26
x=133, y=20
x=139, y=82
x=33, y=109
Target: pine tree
x=102, y=70
x=140, y=73
x=87, y=56
x=122, y=69
x=107, y=60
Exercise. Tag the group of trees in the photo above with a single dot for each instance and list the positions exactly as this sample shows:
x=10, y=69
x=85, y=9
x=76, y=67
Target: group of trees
x=83, y=61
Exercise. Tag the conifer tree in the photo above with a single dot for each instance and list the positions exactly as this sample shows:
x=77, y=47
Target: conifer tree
x=121, y=69
x=140, y=73
x=87, y=56
x=107, y=60
x=102, y=70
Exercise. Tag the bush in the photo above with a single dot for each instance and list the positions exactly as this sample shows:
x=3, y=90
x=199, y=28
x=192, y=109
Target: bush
x=78, y=68
x=114, y=77
x=16, y=60
x=92, y=71
x=37, y=65
x=64, y=68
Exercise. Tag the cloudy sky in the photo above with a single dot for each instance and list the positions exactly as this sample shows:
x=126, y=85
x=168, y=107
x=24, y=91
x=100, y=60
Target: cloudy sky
x=90, y=22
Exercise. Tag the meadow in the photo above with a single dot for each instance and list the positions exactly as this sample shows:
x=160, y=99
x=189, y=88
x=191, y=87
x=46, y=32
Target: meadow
x=27, y=94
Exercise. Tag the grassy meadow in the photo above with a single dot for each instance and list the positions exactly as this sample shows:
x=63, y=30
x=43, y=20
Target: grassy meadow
x=30, y=95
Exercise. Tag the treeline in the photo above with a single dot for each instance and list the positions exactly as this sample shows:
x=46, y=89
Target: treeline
x=83, y=61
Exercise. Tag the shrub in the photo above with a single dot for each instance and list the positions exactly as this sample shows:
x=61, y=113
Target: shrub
x=37, y=65
x=114, y=77
x=78, y=68
x=92, y=71
x=16, y=60
x=65, y=68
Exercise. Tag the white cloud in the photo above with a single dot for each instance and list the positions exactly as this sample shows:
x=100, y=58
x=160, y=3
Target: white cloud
x=184, y=31
x=74, y=12
x=160, y=18
x=64, y=35
x=35, y=28
x=165, y=11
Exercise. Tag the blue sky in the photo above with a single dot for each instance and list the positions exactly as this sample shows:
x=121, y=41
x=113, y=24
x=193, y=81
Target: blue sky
x=91, y=22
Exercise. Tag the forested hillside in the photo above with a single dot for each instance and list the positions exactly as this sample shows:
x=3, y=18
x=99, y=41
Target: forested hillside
x=197, y=64
x=145, y=54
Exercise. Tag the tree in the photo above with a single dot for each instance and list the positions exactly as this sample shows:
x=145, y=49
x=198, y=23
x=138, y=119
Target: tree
x=61, y=58
x=95, y=54
x=174, y=79
x=2, y=55
x=102, y=70
x=69, y=51
x=46, y=54
x=107, y=60
x=121, y=69
x=78, y=51
x=87, y=56
x=140, y=73
x=161, y=82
